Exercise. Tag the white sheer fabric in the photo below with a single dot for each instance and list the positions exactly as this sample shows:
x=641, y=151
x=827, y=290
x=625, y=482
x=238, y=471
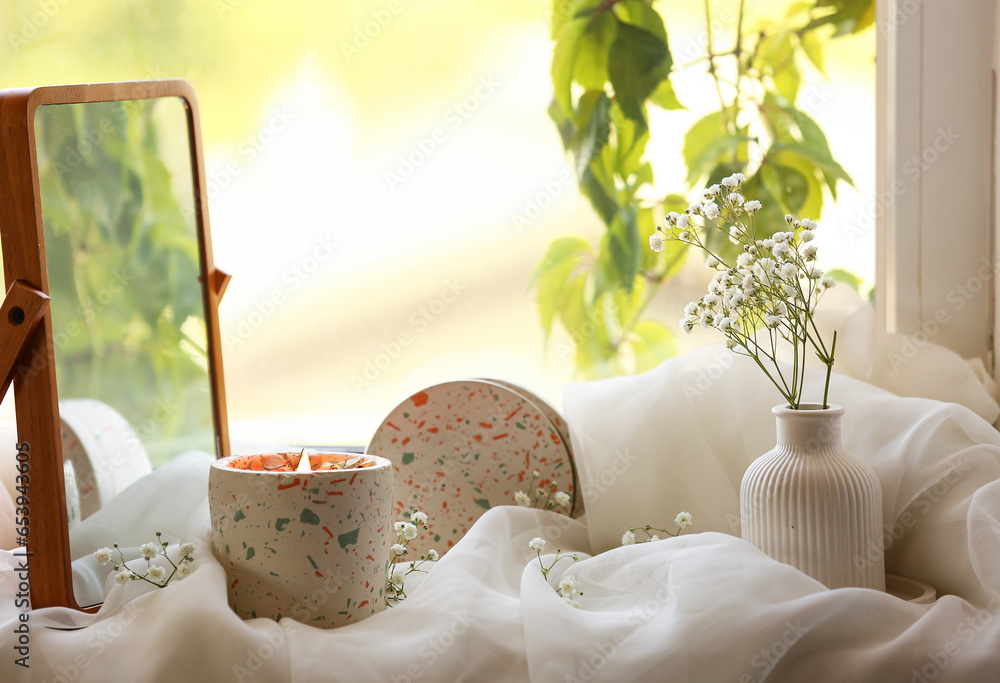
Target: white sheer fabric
x=702, y=607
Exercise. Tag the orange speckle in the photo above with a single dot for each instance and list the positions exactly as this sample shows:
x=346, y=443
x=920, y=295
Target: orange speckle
x=500, y=436
x=334, y=493
x=485, y=425
x=328, y=532
x=420, y=399
x=405, y=441
x=370, y=558
x=235, y=581
x=318, y=574
x=256, y=465
x=294, y=483
x=433, y=430
x=478, y=437
x=394, y=426
x=362, y=604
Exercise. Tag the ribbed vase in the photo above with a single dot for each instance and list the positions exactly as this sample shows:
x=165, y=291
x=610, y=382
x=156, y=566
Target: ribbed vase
x=812, y=504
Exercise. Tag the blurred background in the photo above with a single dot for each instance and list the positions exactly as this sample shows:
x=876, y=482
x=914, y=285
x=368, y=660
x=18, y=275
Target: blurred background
x=383, y=180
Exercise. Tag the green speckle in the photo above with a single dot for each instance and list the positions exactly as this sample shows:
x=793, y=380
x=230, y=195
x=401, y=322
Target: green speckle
x=406, y=414
x=279, y=524
x=250, y=553
x=273, y=574
x=519, y=425
x=407, y=458
x=350, y=538
x=483, y=503
x=238, y=516
x=312, y=562
x=437, y=538
x=309, y=517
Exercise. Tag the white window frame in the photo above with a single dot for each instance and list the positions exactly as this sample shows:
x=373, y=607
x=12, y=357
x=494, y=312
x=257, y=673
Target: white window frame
x=936, y=181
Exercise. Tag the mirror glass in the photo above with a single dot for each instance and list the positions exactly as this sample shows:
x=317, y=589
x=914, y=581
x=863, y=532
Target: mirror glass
x=128, y=320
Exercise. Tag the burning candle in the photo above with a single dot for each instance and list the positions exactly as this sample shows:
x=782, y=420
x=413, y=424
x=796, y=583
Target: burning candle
x=305, y=535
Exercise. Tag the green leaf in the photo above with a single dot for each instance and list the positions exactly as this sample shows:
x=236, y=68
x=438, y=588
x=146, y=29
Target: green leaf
x=709, y=143
x=554, y=279
x=665, y=97
x=848, y=278
x=591, y=69
x=623, y=244
x=847, y=16
x=652, y=342
x=812, y=46
x=638, y=61
x=564, y=124
x=792, y=186
x=812, y=207
x=563, y=59
x=641, y=14
x=596, y=190
x=631, y=138
x=592, y=128
x=564, y=11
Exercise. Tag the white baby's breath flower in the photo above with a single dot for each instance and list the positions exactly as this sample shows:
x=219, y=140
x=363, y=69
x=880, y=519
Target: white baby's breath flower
x=683, y=221
x=656, y=242
x=186, y=548
x=710, y=210
x=419, y=517
x=691, y=308
x=814, y=273
x=711, y=262
x=748, y=284
x=782, y=236
x=398, y=526
x=736, y=198
x=826, y=282
x=396, y=580
x=432, y=555
x=763, y=269
x=789, y=218
x=752, y=206
x=730, y=343
x=409, y=531
x=537, y=544
x=683, y=519
x=687, y=325
x=123, y=577
x=184, y=569
x=568, y=586
x=744, y=260
x=672, y=217
x=695, y=208
x=654, y=537
x=149, y=550
x=522, y=499
x=628, y=538
x=724, y=324
x=808, y=224
x=768, y=243
x=156, y=572
x=788, y=271
x=781, y=309
x=807, y=235
x=103, y=556
x=712, y=190
x=561, y=498
x=711, y=299
x=781, y=249
x=730, y=181
x=809, y=252
x=772, y=321
x=398, y=549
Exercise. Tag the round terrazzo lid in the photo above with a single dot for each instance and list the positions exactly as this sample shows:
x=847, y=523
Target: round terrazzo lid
x=460, y=448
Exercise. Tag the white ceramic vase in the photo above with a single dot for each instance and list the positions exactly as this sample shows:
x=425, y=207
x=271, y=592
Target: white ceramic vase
x=812, y=504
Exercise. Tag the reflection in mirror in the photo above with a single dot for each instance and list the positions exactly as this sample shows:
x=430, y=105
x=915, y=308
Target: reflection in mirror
x=128, y=322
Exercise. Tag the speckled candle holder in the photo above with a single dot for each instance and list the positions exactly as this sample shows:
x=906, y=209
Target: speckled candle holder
x=311, y=546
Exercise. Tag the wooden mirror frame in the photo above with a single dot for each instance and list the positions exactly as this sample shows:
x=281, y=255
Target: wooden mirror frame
x=25, y=270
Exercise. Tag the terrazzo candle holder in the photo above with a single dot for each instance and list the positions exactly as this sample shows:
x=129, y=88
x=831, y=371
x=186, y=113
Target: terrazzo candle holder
x=311, y=546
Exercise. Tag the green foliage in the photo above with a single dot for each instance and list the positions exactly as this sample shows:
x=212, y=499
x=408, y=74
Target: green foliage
x=123, y=258
x=611, y=61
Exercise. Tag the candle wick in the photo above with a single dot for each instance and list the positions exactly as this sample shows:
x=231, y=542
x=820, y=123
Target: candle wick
x=303, y=462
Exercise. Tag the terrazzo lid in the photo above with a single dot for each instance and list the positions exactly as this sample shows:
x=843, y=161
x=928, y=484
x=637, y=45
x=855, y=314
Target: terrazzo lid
x=462, y=447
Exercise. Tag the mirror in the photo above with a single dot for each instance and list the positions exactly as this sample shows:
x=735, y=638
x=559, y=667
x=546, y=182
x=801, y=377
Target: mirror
x=130, y=390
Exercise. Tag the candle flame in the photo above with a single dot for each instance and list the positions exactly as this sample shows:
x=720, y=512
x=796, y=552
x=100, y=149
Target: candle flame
x=303, y=462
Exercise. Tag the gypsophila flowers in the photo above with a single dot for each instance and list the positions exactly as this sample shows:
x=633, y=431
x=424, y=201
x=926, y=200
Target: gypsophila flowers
x=405, y=532
x=537, y=544
x=767, y=295
x=682, y=520
x=546, y=497
x=153, y=574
